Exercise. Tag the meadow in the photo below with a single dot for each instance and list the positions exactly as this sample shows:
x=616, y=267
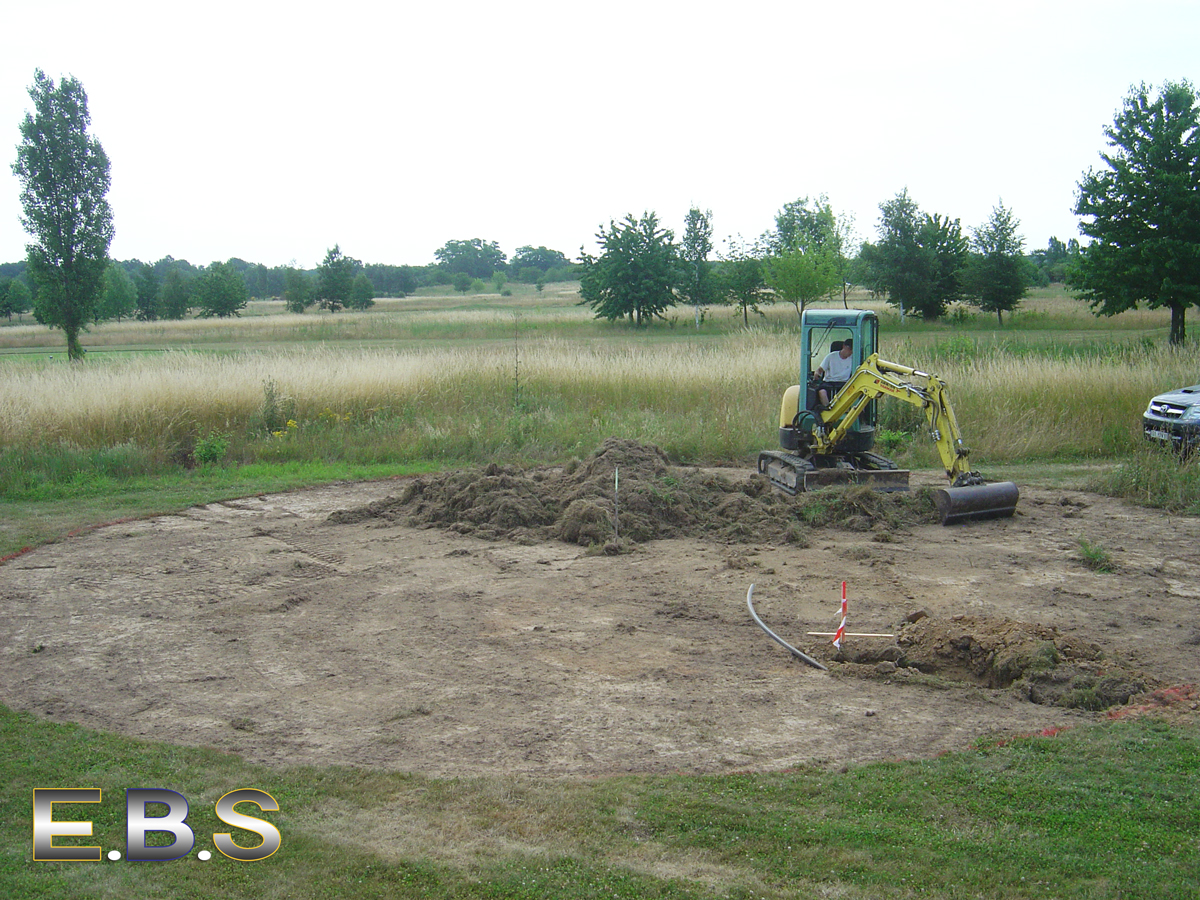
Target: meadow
x=469, y=381
x=162, y=415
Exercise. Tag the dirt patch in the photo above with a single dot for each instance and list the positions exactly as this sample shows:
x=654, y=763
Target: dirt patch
x=464, y=624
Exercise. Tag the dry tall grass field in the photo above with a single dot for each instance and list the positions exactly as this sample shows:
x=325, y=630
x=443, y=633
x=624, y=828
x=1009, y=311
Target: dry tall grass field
x=541, y=377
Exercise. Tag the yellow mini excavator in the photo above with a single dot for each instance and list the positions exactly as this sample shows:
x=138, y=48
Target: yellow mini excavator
x=831, y=442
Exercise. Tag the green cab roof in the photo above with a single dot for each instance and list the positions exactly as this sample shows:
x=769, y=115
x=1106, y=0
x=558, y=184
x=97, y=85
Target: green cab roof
x=835, y=318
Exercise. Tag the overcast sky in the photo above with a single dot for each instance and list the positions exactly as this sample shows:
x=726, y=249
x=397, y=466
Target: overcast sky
x=272, y=131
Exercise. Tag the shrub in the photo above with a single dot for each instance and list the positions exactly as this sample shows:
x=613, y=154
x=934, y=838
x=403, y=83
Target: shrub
x=211, y=449
x=276, y=409
x=890, y=441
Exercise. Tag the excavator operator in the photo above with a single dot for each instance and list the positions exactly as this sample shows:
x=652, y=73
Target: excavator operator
x=835, y=370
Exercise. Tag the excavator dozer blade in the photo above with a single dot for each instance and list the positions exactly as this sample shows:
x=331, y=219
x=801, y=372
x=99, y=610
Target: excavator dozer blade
x=979, y=501
x=794, y=475
x=882, y=480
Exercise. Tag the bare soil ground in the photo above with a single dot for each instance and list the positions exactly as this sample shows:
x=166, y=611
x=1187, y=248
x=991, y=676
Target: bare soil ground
x=474, y=623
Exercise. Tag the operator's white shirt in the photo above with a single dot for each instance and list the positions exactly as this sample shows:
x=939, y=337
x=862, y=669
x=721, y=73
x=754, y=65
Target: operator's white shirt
x=836, y=368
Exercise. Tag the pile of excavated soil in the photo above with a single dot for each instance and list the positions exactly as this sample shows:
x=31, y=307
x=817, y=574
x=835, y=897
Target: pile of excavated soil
x=631, y=492
x=1037, y=662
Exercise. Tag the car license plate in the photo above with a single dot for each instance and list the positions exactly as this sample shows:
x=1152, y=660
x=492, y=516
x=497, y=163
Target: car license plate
x=1159, y=435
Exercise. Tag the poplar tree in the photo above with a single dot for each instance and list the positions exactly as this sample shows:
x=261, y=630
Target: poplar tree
x=697, y=283
x=64, y=176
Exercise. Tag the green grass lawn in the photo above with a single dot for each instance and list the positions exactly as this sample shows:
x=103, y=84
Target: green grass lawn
x=53, y=509
x=1106, y=811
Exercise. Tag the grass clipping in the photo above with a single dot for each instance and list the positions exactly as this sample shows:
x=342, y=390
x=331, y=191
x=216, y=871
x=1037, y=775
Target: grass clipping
x=575, y=503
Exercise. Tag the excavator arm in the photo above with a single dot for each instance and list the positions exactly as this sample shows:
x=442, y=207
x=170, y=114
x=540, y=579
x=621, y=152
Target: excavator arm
x=877, y=377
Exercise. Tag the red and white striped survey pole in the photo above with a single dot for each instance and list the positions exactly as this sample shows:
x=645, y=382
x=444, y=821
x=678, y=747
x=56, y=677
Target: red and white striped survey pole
x=841, y=632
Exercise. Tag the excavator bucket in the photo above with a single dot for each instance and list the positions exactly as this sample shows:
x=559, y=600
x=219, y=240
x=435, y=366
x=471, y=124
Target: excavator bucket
x=977, y=501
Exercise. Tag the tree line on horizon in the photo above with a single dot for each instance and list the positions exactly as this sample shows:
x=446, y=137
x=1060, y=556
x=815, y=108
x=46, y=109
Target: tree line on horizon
x=921, y=263
x=1141, y=214
x=784, y=265
x=175, y=288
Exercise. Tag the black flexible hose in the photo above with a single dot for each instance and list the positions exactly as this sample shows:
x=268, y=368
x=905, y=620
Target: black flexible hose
x=776, y=638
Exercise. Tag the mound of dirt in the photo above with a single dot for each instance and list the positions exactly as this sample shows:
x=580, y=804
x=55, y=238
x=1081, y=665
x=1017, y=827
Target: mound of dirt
x=1037, y=661
x=988, y=651
x=631, y=491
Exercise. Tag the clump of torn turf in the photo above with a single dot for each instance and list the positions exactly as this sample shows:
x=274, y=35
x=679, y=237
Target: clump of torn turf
x=580, y=503
x=1037, y=661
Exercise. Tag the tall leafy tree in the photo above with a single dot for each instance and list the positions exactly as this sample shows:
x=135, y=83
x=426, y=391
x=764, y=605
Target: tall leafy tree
x=19, y=300
x=1054, y=261
x=64, y=176
x=392, y=281
x=743, y=280
x=918, y=259
x=120, y=294
x=175, y=294
x=220, y=291
x=803, y=224
x=866, y=269
x=637, y=273
x=697, y=283
x=1142, y=211
x=900, y=263
x=147, y=294
x=15, y=299
x=299, y=291
x=362, y=292
x=335, y=279
x=477, y=258
x=540, y=258
x=800, y=277
x=950, y=251
x=813, y=227
x=806, y=248
x=262, y=282
x=995, y=278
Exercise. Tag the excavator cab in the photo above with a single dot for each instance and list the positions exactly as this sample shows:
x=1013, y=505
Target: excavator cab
x=823, y=331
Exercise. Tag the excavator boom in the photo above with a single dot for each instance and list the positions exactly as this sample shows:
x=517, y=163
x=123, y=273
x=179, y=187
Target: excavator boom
x=876, y=378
